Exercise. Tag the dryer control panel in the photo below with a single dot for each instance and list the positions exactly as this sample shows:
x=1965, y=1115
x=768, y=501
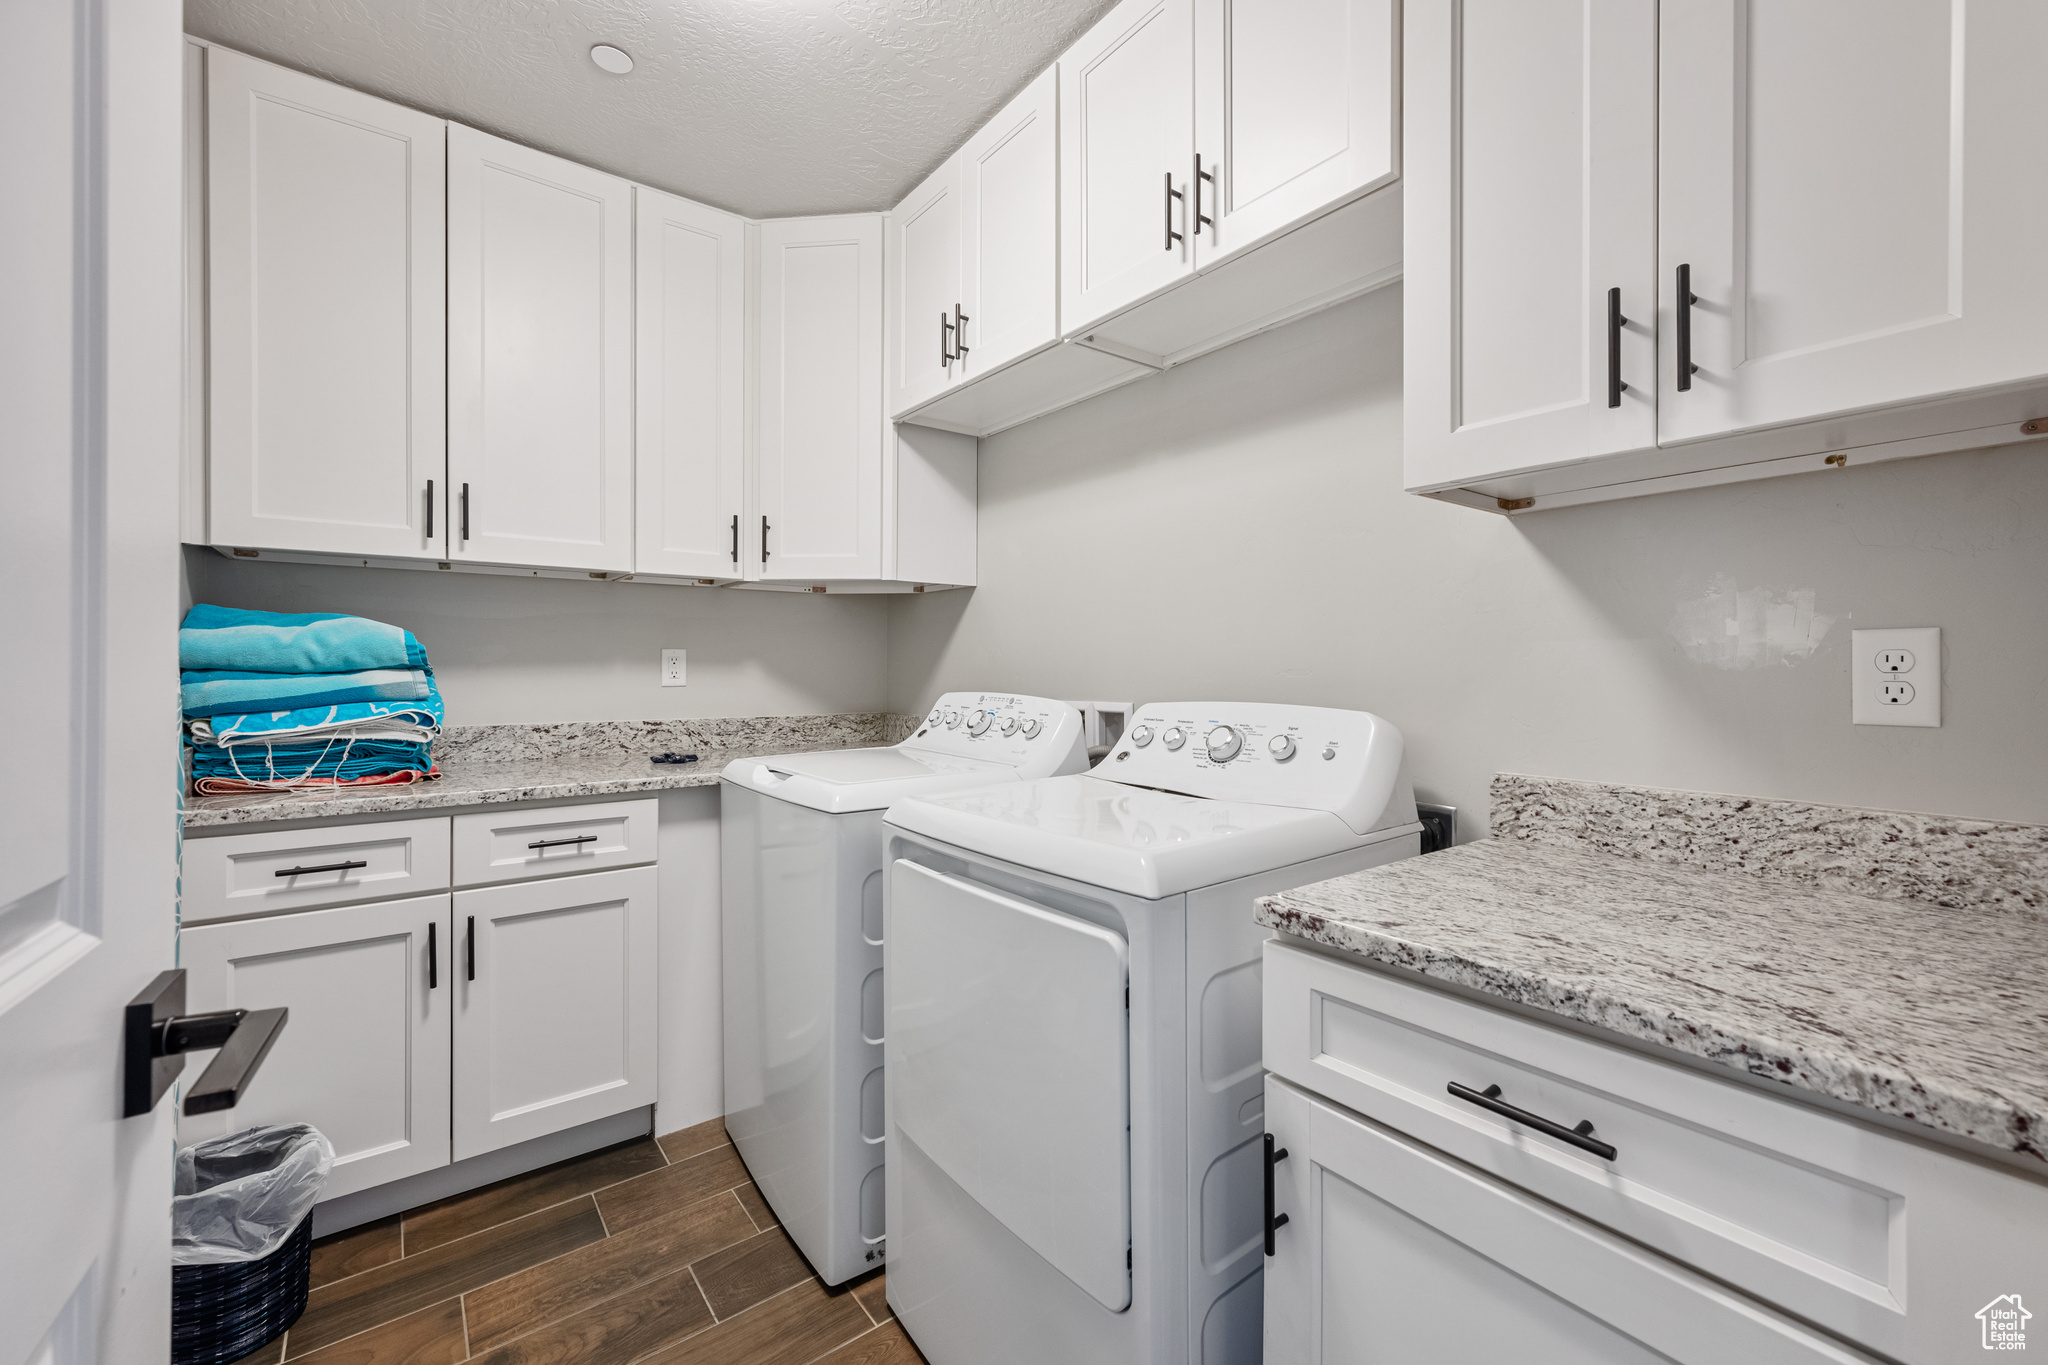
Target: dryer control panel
x=1038, y=736
x=1319, y=758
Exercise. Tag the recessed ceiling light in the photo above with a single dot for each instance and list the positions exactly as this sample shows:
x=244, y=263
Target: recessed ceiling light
x=613, y=59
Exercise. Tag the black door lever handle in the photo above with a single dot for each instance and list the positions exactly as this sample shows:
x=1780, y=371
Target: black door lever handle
x=156, y=1033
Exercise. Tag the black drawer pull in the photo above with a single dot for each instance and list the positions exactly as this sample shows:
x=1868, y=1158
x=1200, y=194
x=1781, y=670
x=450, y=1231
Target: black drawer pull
x=1580, y=1136
x=1686, y=299
x=1274, y=1221
x=324, y=867
x=433, y=959
x=1615, y=322
x=472, y=947
x=557, y=843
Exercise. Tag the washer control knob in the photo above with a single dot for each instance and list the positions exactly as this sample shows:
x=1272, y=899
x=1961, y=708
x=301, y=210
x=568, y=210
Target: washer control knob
x=952, y=719
x=1174, y=738
x=1031, y=729
x=978, y=722
x=1009, y=726
x=1329, y=752
x=935, y=716
x=1281, y=747
x=1224, y=744
x=1141, y=736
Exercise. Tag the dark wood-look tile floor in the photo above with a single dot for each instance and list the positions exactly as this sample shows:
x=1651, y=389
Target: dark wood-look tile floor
x=658, y=1251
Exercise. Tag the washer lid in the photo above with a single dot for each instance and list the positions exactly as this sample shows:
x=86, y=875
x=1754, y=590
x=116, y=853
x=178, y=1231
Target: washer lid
x=837, y=781
x=1131, y=839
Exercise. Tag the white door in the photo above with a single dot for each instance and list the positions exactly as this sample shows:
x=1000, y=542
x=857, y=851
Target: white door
x=1530, y=183
x=540, y=369
x=364, y=1053
x=1010, y=240
x=1856, y=188
x=326, y=316
x=926, y=297
x=89, y=383
x=1127, y=153
x=554, y=1013
x=1297, y=108
x=690, y=404
x=1392, y=1255
x=818, y=466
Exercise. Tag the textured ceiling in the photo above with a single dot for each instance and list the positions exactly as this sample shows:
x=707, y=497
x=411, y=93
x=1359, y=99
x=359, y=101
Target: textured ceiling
x=769, y=108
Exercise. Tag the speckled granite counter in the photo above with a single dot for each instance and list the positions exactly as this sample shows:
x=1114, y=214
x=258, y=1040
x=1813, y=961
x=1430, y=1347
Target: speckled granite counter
x=488, y=765
x=1922, y=994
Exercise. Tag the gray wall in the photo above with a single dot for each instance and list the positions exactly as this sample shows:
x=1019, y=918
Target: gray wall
x=1235, y=528
x=533, y=650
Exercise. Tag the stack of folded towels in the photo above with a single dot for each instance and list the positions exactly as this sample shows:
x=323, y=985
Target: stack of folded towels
x=277, y=700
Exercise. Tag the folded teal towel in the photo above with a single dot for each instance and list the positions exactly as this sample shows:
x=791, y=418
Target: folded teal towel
x=226, y=638
x=299, y=762
x=227, y=691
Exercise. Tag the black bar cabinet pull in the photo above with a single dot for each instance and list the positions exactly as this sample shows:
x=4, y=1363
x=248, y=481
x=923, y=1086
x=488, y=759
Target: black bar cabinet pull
x=433, y=959
x=735, y=537
x=960, y=321
x=1686, y=299
x=557, y=843
x=1171, y=195
x=1274, y=1221
x=764, y=540
x=1580, y=1136
x=1202, y=219
x=324, y=867
x=430, y=509
x=472, y=947
x=945, y=338
x=1615, y=322
x=465, y=511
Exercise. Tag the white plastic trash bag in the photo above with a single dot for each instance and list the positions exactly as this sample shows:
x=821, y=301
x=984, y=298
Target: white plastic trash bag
x=238, y=1197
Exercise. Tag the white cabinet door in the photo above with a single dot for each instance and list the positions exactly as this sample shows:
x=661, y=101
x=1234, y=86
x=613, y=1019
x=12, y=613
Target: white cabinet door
x=364, y=1053
x=1392, y=1254
x=1127, y=152
x=1298, y=108
x=819, y=460
x=554, y=1014
x=326, y=313
x=690, y=404
x=1010, y=184
x=1530, y=179
x=926, y=300
x=1857, y=189
x=540, y=378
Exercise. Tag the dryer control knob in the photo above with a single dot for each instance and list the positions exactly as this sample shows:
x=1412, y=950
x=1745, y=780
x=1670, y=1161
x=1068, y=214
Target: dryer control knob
x=1031, y=729
x=952, y=719
x=1141, y=736
x=978, y=722
x=1009, y=726
x=936, y=716
x=1224, y=744
x=1174, y=738
x=1281, y=747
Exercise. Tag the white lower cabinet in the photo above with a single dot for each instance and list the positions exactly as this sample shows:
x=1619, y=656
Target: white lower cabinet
x=554, y=1013
x=364, y=1055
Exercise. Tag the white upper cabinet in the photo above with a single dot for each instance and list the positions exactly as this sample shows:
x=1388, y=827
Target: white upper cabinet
x=1009, y=188
x=1298, y=107
x=1127, y=155
x=690, y=402
x=325, y=309
x=1531, y=196
x=818, y=463
x=928, y=296
x=1857, y=188
x=540, y=379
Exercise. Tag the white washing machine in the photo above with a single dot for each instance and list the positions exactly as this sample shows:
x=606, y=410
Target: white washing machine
x=800, y=844
x=1073, y=1031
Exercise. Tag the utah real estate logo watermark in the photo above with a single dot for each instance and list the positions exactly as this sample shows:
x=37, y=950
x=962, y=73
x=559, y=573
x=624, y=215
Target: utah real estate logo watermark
x=2005, y=1323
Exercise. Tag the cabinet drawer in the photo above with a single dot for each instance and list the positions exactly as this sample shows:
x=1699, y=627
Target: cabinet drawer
x=1823, y=1215
x=236, y=875
x=521, y=842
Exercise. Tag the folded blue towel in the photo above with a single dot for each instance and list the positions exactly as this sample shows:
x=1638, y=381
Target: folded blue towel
x=292, y=642
x=229, y=692
x=298, y=762
x=384, y=719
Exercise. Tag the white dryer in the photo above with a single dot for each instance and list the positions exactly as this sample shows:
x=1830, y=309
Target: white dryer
x=1072, y=1016
x=800, y=842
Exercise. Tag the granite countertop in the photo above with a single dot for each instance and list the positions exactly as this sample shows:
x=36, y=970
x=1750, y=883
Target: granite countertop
x=501, y=764
x=1895, y=962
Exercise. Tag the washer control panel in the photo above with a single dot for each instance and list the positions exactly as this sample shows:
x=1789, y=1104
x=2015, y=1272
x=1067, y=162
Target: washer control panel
x=1346, y=762
x=1004, y=728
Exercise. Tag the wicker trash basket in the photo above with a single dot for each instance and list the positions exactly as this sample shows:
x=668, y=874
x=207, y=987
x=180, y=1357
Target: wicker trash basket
x=223, y=1312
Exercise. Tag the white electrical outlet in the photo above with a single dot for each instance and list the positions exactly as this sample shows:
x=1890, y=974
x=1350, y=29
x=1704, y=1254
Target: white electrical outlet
x=1896, y=675
x=675, y=667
